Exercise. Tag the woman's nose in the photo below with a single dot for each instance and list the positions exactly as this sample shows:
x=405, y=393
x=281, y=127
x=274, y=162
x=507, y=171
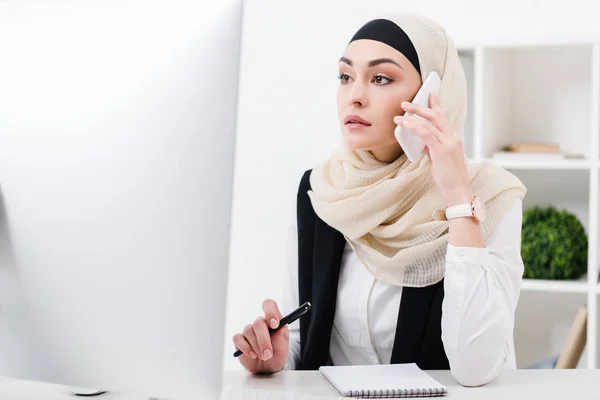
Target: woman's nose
x=358, y=94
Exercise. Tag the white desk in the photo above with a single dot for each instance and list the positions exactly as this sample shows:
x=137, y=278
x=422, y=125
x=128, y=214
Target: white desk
x=512, y=385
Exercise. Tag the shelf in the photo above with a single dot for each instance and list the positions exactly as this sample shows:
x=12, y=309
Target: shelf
x=564, y=189
x=535, y=95
x=539, y=285
x=554, y=165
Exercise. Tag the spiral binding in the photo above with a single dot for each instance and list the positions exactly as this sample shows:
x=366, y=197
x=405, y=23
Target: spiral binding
x=374, y=394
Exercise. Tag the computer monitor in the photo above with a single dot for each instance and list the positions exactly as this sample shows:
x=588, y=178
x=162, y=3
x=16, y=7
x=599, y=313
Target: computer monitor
x=117, y=126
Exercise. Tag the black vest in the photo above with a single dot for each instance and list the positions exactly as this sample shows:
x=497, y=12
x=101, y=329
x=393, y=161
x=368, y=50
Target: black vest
x=320, y=248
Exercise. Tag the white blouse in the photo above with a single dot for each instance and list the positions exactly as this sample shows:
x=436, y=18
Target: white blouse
x=481, y=286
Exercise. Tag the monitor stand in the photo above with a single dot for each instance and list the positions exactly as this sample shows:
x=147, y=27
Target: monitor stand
x=78, y=391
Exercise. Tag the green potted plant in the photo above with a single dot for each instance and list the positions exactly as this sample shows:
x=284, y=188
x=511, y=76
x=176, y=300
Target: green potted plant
x=554, y=244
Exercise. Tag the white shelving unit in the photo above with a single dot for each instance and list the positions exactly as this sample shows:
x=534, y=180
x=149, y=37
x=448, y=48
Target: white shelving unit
x=538, y=285
x=540, y=91
x=560, y=165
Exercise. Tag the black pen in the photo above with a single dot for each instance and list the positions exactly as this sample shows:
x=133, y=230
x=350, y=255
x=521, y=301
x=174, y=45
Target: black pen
x=288, y=319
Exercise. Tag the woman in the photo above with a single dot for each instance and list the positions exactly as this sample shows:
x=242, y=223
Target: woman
x=389, y=282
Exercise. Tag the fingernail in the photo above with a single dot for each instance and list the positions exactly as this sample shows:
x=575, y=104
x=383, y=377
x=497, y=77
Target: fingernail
x=266, y=354
x=405, y=103
x=397, y=119
x=253, y=354
x=405, y=122
x=274, y=323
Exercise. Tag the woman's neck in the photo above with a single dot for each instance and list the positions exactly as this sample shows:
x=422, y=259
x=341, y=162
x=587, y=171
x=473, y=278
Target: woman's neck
x=388, y=154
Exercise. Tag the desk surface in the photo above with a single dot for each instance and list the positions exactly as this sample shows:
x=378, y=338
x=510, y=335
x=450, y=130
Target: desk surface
x=518, y=384
x=511, y=385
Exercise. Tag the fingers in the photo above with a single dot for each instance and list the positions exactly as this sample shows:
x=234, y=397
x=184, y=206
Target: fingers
x=437, y=143
x=272, y=313
x=433, y=114
x=263, y=339
x=280, y=341
x=256, y=340
x=242, y=344
x=433, y=117
x=422, y=128
x=250, y=337
x=434, y=103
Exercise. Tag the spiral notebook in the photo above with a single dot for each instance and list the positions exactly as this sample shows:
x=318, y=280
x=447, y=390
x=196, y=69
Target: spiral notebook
x=380, y=381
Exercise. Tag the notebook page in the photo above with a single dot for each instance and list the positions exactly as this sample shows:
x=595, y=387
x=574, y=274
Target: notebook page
x=379, y=377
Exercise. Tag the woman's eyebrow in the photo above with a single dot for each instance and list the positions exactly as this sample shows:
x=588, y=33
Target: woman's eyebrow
x=346, y=60
x=373, y=63
x=378, y=61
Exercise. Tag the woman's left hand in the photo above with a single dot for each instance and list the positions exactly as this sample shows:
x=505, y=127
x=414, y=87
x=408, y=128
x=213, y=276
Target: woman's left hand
x=443, y=147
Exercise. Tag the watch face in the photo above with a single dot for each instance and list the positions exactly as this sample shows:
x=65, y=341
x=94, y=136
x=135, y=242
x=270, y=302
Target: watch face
x=479, y=209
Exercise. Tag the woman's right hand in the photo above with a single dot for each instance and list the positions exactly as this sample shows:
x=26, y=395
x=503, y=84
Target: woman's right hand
x=264, y=352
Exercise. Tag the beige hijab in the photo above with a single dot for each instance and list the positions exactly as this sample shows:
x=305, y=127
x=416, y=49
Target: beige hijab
x=385, y=209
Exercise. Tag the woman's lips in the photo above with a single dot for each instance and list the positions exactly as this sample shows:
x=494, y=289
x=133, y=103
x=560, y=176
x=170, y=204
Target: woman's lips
x=356, y=125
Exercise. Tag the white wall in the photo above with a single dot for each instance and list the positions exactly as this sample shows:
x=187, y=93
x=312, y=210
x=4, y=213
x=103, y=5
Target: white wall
x=287, y=117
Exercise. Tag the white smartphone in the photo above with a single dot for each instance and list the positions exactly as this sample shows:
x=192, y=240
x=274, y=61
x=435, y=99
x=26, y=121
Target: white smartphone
x=412, y=144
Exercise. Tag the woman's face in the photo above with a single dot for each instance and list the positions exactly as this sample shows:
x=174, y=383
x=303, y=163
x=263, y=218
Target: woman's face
x=374, y=80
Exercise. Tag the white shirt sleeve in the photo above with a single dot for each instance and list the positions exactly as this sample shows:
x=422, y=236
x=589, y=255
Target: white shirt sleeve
x=481, y=291
x=290, y=299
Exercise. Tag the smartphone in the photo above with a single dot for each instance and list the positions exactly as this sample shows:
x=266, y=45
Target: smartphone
x=412, y=144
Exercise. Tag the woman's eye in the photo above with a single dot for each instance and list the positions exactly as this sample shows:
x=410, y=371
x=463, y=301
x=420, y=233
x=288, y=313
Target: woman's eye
x=344, y=78
x=382, y=79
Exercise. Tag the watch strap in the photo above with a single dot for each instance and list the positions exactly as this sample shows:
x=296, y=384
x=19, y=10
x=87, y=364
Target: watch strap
x=459, y=211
